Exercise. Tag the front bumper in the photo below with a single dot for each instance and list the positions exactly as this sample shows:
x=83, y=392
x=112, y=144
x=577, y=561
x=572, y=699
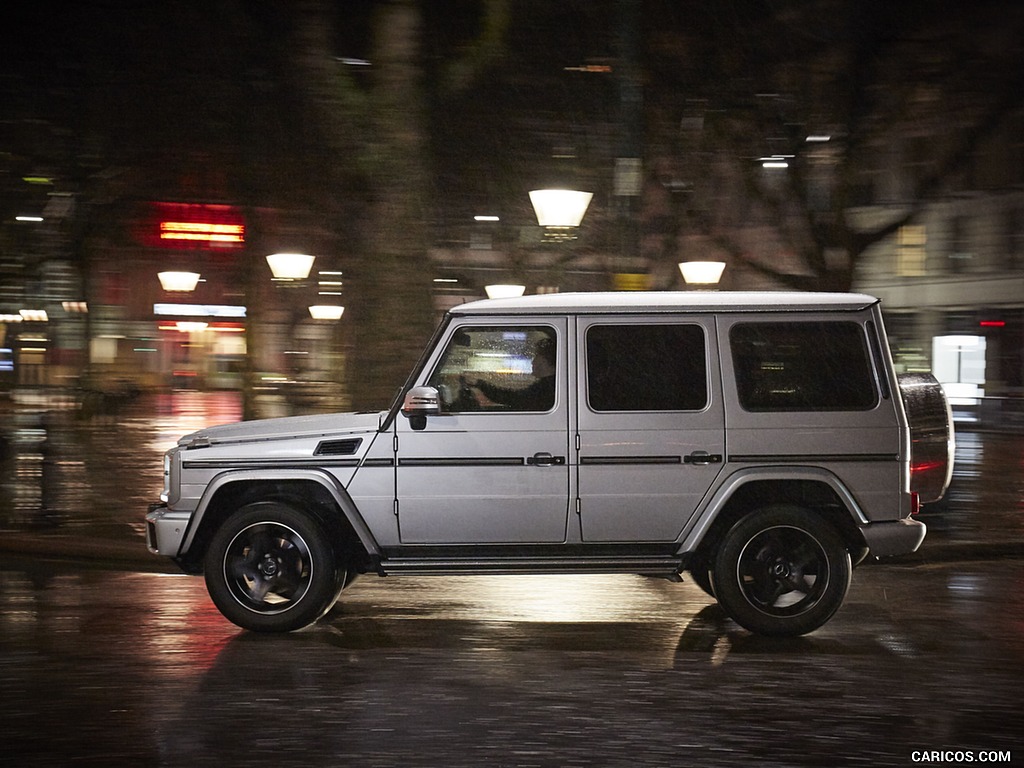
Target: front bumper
x=165, y=529
x=898, y=537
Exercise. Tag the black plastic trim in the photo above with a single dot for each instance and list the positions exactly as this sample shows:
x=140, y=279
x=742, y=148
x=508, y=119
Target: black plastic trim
x=282, y=464
x=810, y=458
x=466, y=461
x=616, y=460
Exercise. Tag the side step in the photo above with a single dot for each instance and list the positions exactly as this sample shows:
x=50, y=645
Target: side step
x=647, y=566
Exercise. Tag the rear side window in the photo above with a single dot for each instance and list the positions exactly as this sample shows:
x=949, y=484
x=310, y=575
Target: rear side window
x=802, y=367
x=646, y=368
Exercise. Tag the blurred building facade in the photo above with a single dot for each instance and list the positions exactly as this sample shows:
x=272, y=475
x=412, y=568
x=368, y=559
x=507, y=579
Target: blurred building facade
x=952, y=280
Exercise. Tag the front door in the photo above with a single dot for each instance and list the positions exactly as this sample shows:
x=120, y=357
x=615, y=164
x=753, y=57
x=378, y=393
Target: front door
x=651, y=424
x=494, y=468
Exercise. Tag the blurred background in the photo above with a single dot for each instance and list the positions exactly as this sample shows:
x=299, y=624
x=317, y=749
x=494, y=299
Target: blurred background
x=153, y=155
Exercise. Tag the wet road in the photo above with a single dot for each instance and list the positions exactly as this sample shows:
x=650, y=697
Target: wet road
x=126, y=669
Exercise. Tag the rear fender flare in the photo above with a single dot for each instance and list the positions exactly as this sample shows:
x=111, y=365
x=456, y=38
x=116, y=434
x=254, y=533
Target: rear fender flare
x=707, y=515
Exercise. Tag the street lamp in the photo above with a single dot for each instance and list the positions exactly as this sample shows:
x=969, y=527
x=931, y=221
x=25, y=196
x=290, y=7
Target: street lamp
x=290, y=266
x=702, y=272
x=560, y=208
x=178, y=281
x=504, y=291
x=326, y=312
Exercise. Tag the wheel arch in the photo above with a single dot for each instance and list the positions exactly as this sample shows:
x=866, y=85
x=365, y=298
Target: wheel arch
x=313, y=491
x=747, y=490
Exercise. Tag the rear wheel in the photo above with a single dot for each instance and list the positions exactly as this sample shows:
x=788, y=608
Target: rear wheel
x=782, y=570
x=271, y=568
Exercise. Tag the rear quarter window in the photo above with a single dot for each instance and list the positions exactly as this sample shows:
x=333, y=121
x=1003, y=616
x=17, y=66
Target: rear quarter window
x=802, y=366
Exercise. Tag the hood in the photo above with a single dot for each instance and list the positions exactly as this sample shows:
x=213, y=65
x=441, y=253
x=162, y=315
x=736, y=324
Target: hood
x=315, y=425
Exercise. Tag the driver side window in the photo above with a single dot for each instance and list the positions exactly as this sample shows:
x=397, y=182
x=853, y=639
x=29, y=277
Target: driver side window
x=497, y=368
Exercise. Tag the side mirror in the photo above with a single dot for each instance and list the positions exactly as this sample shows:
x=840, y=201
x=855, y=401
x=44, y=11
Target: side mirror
x=419, y=403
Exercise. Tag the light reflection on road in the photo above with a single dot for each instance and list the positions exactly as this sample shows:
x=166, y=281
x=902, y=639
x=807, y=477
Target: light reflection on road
x=68, y=469
x=180, y=413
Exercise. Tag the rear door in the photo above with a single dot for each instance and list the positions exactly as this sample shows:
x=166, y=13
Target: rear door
x=651, y=425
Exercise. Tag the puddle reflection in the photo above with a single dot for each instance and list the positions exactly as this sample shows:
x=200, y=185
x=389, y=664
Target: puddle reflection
x=61, y=467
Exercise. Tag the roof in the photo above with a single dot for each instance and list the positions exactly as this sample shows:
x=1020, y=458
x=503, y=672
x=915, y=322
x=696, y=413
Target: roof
x=623, y=302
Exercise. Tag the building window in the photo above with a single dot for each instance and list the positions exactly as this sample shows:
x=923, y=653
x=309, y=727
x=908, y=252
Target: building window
x=1013, y=238
x=911, y=242
x=960, y=251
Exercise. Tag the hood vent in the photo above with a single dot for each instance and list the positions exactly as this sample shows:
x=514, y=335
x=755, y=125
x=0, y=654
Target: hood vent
x=338, y=447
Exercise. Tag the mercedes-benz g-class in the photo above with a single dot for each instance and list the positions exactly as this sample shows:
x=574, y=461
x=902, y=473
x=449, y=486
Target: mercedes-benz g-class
x=759, y=442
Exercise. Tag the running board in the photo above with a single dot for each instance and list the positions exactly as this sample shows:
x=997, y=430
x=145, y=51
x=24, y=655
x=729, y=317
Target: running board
x=647, y=566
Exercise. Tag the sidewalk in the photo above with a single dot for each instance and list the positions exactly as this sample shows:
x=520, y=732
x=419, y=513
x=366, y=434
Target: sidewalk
x=78, y=489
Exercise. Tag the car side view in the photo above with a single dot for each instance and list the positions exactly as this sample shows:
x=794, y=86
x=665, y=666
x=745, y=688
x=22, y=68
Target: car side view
x=760, y=443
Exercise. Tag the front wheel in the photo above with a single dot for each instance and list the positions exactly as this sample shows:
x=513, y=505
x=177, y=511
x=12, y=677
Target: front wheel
x=270, y=568
x=782, y=571
x=700, y=571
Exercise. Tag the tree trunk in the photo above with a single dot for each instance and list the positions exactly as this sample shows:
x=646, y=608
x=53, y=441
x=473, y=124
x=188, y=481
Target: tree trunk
x=390, y=287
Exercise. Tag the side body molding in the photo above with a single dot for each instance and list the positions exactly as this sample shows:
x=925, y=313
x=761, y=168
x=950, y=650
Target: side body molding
x=728, y=486
x=318, y=476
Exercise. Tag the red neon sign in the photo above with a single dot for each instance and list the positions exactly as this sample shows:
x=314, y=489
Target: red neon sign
x=194, y=226
x=202, y=231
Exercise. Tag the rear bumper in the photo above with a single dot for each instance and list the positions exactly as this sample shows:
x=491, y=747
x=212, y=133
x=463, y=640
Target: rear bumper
x=165, y=530
x=899, y=537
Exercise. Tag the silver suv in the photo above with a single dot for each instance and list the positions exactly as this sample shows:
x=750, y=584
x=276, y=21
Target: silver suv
x=759, y=442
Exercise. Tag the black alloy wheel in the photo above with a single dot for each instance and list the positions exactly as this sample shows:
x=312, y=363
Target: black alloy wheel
x=271, y=568
x=782, y=571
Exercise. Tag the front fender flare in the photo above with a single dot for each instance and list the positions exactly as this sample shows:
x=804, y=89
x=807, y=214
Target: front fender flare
x=321, y=477
x=720, y=496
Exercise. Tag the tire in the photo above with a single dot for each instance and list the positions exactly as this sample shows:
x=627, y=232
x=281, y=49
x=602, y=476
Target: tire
x=781, y=571
x=270, y=568
x=700, y=571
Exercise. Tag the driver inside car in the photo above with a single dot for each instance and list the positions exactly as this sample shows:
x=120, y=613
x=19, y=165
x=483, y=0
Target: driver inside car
x=537, y=396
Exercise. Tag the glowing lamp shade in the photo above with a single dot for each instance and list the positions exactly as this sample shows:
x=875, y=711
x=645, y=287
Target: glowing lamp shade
x=34, y=315
x=178, y=281
x=326, y=312
x=504, y=291
x=560, y=207
x=290, y=266
x=702, y=272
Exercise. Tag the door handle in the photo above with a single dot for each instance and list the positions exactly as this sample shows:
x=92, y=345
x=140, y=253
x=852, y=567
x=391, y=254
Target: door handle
x=545, y=459
x=702, y=457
